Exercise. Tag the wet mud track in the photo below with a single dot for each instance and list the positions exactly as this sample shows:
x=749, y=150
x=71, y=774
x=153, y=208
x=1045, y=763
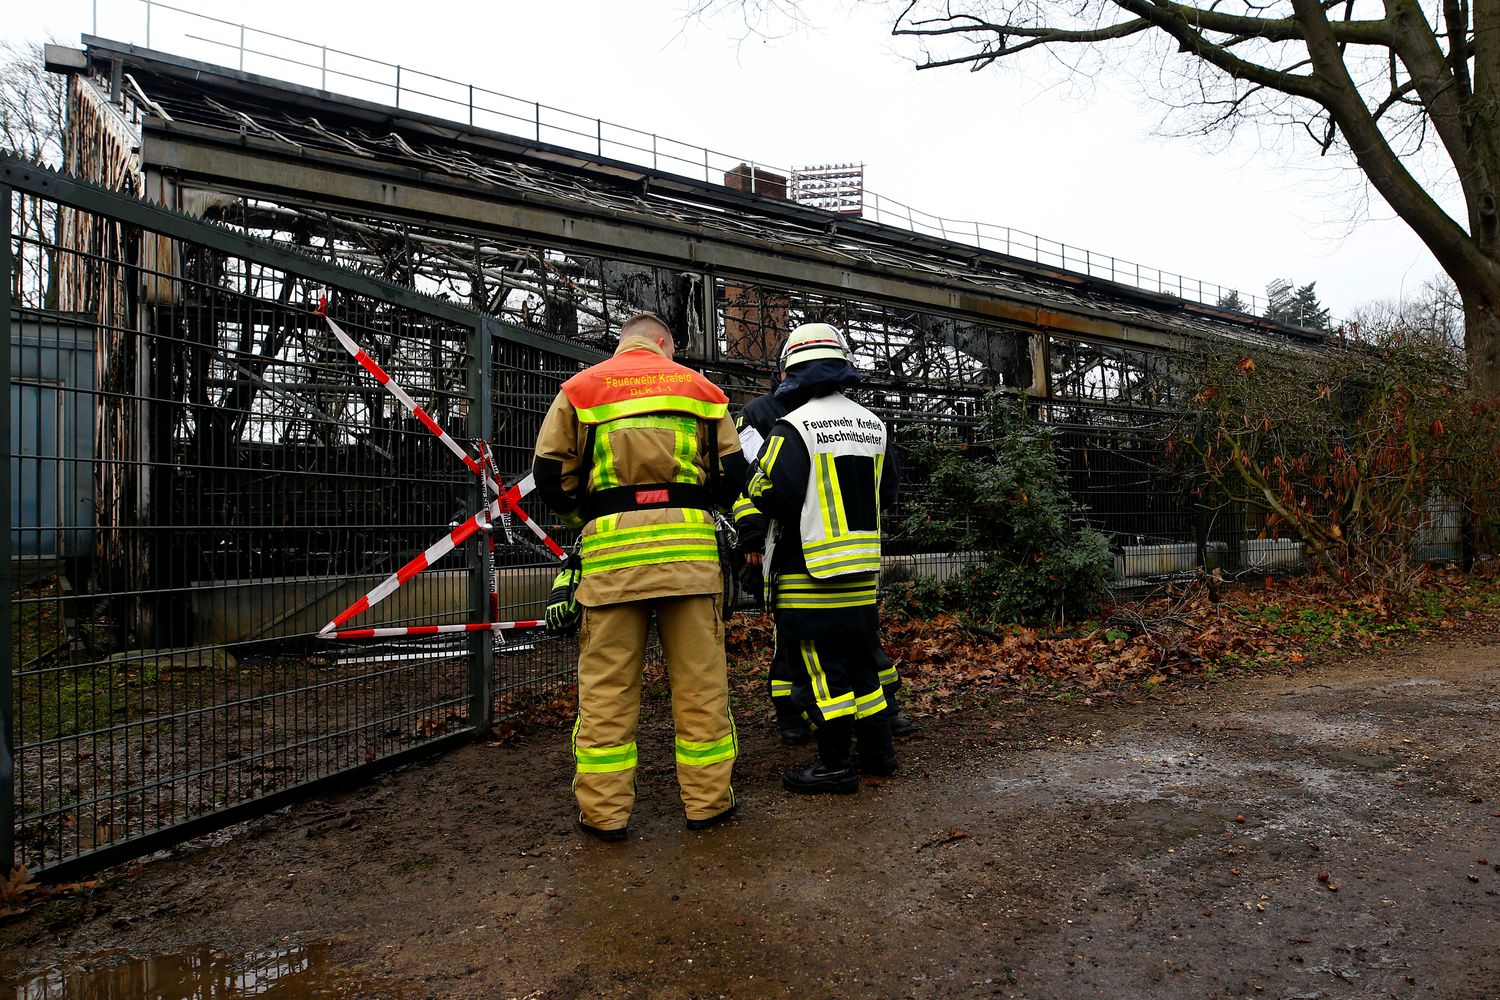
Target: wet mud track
x=1326, y=834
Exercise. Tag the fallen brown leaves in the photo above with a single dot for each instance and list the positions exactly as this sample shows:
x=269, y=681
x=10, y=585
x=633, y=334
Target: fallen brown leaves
x=940, y=658
x=1193, y=631
x=20, y=891
x=434, y=722
x=14, y=889
x=516, y=712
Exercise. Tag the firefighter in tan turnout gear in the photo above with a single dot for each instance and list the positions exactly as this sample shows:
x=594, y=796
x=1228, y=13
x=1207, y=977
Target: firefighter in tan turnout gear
x=639, y=450
x=822, y=477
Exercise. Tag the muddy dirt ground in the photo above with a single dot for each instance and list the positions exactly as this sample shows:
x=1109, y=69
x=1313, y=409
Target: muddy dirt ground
x=1329, y=833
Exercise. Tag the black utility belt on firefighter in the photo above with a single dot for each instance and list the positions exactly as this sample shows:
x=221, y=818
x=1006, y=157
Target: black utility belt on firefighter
x=649, y=496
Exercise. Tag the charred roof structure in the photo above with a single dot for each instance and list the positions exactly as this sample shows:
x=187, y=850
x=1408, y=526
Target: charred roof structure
x=565, y=242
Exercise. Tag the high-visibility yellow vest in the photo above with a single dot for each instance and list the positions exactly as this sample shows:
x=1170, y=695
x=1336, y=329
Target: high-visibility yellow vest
x=642, y=391
x=840, y=524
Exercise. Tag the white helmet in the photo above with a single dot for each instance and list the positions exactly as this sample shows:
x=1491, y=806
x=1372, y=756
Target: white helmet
x=812, y=341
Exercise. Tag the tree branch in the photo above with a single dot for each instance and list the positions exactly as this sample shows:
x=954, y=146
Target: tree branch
x=1449, y=243
x=1398, y=95
x=1413, y=40
x=1169, y=17
x=1035, y=37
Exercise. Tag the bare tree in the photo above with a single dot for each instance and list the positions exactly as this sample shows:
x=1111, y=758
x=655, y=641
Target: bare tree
x=1433, y=315
x=1410, y=90
x=33, y=109
x=32, y=105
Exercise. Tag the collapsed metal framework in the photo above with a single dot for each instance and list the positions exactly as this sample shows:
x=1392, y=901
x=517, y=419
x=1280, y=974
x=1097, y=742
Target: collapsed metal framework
x=565, y=243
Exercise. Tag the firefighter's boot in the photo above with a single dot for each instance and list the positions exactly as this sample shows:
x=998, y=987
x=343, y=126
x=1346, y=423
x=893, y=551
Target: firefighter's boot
x=793, y=727
x=877, y=751
x=834, y=773
x=900, y=723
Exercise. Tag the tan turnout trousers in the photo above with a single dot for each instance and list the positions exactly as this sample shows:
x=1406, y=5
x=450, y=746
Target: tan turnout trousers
x=611, y=645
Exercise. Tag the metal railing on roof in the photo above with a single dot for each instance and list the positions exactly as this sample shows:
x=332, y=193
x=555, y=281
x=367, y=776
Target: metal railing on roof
x=350, y=74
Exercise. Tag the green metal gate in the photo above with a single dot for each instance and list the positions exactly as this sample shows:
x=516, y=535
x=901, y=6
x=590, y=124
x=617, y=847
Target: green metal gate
x=200, y=478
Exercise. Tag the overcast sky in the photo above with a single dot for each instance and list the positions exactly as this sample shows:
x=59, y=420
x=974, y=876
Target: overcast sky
x=1077, y=164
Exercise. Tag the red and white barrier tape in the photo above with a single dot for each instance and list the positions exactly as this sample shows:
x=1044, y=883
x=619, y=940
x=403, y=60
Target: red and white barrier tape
x=493, y=612
x=505, y=500
x=395, y=632
x=392, y=583
x=508, y=497
x=370, y=365
x=508, y=501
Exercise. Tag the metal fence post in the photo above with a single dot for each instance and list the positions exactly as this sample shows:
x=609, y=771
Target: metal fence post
x=7, y=660
x=1200, y=506
x=481, y=644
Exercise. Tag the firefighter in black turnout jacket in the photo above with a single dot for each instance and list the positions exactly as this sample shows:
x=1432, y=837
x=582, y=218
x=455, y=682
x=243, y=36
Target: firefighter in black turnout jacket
x=821, y=478
x=754, y=424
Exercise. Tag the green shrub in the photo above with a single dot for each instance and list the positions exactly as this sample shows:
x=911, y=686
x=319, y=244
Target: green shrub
x=1004, y=496
x=912, y=598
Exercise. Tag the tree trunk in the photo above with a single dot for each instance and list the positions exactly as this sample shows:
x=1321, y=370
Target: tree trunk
x=1482, y=336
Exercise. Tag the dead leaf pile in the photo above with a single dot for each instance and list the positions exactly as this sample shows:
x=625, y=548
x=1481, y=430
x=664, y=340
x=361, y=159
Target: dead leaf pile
x=1192, y=631
x=13, y=891
x=519, y=709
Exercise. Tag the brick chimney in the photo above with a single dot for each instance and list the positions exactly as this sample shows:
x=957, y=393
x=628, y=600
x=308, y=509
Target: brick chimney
x=756, y=180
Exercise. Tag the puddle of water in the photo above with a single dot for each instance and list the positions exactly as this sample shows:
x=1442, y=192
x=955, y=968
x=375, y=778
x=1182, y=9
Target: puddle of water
x=1124, y=772
x=1177, y=790
x=295, y=973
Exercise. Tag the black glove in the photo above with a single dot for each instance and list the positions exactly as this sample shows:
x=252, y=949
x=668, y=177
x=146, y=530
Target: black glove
x=751, y=582
x=563, y=612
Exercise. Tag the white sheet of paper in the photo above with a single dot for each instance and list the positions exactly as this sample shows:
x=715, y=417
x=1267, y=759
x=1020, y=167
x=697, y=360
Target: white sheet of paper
x=750, y=442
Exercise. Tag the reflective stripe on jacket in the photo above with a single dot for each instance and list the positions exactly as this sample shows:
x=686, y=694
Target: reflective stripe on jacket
x=639, y=380
x=800, y=592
